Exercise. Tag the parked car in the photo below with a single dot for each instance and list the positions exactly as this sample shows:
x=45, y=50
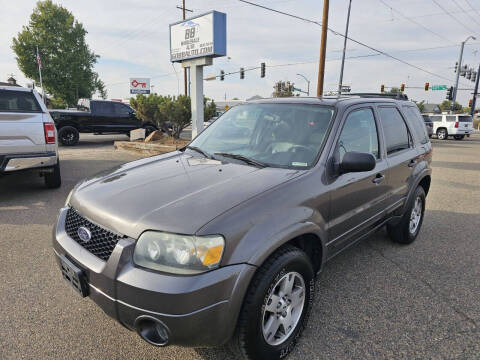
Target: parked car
x=428, y=124
x=98, y=117
x=221, y=241
x=28, y=140
x=456, y=125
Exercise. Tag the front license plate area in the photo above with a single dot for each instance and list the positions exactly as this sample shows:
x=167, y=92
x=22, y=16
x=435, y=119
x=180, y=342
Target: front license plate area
x=74, y=276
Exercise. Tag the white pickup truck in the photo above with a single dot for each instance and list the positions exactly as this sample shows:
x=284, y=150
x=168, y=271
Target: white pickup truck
x=28, y=138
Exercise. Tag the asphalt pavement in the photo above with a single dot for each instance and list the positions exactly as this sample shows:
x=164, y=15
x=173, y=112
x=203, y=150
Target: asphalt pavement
x=377, y=300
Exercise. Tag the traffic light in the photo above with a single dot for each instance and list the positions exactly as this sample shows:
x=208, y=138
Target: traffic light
x=382, y=88
x=469, y=74
x=402, y=87
x=222, y=75
x=449, y=93
x=474, y=76
x=463, y=70
x=262, y=70
x=470, y=103
x=427, y=85
x=456, y=66
x=242, y=73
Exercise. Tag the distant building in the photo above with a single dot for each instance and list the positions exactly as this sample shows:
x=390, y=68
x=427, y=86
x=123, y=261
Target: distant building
x=10, y=82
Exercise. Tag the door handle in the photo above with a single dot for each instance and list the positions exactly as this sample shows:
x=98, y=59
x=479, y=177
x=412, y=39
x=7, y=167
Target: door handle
x=378, y=178
x=412, y=163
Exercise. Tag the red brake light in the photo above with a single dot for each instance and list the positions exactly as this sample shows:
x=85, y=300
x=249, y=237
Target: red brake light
x=49, y=129
x=456, y=124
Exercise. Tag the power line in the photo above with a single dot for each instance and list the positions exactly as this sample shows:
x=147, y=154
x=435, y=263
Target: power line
x=349, y=38
x=453, y=17
x=471, y=7
x=466, y=12
x=415, y=22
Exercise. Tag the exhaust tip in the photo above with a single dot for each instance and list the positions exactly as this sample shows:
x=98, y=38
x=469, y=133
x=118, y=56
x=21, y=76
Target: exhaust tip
x=152, y=330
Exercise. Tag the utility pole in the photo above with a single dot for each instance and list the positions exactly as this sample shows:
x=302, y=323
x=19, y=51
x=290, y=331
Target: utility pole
x=323, y=49
x=474, y=99
x=340, y=82
x=185, y=78
x=452, y=108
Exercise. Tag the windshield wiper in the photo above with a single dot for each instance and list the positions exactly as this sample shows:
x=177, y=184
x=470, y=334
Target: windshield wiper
x=197, y=149
x=244, y=159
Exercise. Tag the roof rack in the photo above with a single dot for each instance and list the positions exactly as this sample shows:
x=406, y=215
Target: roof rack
x=398, y=96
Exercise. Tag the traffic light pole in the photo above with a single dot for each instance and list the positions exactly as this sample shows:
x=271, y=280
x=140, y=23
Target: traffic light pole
x=474, y=99
x=458, y=73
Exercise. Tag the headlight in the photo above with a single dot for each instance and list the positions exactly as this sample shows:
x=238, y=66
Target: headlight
x=179, y=254
x=67, y=201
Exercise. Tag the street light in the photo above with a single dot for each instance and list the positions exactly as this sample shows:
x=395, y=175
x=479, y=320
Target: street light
x=458, y=72
x=308, y=83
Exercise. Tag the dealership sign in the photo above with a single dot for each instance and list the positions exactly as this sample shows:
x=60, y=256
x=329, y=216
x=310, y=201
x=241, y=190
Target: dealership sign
x=201, y=36
x=139, y=85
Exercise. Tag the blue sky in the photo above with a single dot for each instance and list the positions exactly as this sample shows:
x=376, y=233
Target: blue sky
x=132, y=39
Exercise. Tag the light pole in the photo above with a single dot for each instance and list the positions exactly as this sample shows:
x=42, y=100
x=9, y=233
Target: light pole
x=452, y=108
x=344, y=48
x=308, y=83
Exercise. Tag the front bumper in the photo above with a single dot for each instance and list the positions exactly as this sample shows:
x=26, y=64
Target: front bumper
x=199, y=310
x=28, y=161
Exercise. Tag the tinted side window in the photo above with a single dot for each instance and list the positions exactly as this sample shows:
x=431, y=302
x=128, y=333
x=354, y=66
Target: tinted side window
x=104, y=108
x=394, y=128
x=359, y=134
x=451, y=118
x=415, y=119
x=436, y=118
x=121, y=110
x=18, y=101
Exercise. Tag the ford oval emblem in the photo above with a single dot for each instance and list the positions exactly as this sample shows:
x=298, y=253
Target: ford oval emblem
x=84, y=234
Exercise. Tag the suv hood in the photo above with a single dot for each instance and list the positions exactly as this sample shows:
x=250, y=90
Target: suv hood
x=175, y=192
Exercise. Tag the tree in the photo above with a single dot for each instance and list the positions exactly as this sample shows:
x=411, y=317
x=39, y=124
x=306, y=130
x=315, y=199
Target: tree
x=393, y=90
x=447, y=104
x=177, y=112
x=420, y=104
x=209, y=109
x=283, y=89
x=147, y=108
x=67, y=61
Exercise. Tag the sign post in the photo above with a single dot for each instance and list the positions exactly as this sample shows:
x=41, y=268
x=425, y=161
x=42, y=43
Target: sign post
x=195, y=42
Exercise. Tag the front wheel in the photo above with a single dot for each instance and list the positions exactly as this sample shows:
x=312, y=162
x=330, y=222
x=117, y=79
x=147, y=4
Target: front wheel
x=276, y=306
x=459, y=137
x=406, y=231
x=442, y=134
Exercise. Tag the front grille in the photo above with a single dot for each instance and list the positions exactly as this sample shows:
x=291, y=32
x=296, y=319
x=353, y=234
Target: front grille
x=102, y=241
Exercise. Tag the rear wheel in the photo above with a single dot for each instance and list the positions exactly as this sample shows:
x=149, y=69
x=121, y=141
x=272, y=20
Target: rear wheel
x=442, y=134
x=406, y=231
x=53, y=180
x=68, y=135
x=276, y=306
x=459, y=137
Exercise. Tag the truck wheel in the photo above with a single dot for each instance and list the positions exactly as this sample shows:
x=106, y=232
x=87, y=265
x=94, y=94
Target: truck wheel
x=53, y=180
x=459, y=137
x=276, y=306
x=442, y=134
x=68, y=135
x=406, y=231
x=149, y=129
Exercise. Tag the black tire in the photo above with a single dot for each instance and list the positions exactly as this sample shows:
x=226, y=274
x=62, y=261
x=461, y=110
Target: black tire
x=442, y=134
x=53, y=180
x=68, y=136
x=402, y=233
x=149, y=129
x=249, y=341
x=458, y=137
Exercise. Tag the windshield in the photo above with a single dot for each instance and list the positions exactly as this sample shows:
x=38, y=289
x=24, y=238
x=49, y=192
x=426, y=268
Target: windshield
x=278, y=135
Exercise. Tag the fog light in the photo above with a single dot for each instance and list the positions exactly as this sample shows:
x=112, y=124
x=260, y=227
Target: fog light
x=152, y=330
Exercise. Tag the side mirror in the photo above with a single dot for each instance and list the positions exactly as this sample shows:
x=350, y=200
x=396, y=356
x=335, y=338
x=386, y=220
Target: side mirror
x=357, y=162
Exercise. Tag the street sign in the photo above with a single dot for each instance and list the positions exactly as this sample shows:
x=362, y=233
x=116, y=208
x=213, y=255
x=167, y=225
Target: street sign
x=200, y=36
x=139, y=85
x=439, y=87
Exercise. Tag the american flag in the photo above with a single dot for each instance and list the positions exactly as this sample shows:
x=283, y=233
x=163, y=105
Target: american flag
x=39, y=61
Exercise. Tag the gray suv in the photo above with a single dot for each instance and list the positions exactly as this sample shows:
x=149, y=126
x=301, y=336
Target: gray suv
x=221, y=241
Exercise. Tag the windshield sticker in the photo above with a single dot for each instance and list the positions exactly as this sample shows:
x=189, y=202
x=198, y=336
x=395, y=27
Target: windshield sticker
x=299, y=163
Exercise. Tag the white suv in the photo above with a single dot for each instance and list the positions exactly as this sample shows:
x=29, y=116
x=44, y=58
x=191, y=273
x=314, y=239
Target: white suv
x=456, y=125
x=28, y=138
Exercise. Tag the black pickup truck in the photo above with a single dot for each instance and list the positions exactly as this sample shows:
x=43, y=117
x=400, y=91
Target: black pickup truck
x=98, y=117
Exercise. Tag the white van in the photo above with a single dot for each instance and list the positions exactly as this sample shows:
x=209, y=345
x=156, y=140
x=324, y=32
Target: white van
x=456, y=125
x=28, y=138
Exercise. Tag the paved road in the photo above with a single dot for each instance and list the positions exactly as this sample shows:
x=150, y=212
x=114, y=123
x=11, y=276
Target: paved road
x=377, y=300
